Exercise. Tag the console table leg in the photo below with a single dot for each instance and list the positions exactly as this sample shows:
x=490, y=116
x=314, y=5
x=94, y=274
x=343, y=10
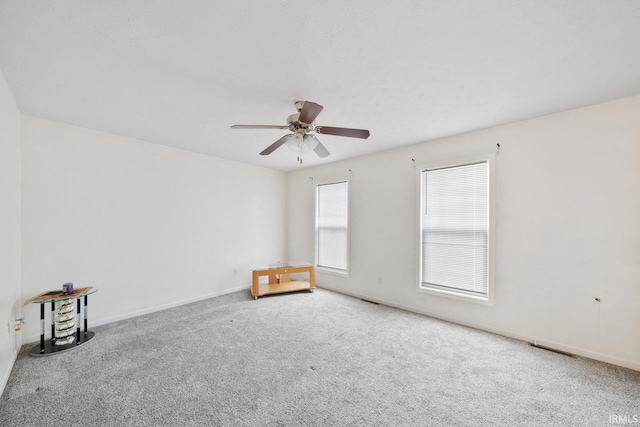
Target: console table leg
x=86, y=299
x=53, y=322
x=41, y=328
x=78, y=325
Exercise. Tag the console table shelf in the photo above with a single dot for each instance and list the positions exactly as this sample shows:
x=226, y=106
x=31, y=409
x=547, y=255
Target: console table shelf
x=280, y=280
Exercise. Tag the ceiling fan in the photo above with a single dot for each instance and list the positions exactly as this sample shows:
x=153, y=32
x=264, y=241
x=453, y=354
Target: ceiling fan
x=301, y=124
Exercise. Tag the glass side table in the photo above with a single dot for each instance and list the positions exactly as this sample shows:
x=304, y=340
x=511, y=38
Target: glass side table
x=63, y=320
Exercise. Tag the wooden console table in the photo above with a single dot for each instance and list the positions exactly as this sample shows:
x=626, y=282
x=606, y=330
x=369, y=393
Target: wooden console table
x=280, y=280
x=67, y=319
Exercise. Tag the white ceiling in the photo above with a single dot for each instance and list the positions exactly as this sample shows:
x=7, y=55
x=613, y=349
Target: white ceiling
x=179, y=73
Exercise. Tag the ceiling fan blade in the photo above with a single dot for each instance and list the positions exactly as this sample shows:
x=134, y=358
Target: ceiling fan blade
x=321, y=150
x=270, y=149
x=259, y=127
x=309, y=112
x=351, y=133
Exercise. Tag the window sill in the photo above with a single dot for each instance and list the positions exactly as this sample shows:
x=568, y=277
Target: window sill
x=484, y=300
x=333, y=271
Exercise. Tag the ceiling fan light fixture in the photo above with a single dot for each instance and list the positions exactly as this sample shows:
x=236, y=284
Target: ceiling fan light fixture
x=311, y=141
x=302, y=144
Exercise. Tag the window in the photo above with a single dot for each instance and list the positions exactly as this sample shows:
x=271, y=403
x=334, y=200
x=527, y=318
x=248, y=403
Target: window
x=332, y=226
x=455, y=230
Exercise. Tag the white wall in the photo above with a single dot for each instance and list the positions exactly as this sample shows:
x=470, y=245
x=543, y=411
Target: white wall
x=9, y=230
x=150, y=226
x=568, y=229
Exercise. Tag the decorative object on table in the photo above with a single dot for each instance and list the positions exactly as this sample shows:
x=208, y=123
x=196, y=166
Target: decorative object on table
x=62, y=320
x=67, y=288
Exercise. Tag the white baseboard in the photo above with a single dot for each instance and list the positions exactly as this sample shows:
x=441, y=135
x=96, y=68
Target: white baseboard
x=5, y=378
x=147, y=310
x=589, y=354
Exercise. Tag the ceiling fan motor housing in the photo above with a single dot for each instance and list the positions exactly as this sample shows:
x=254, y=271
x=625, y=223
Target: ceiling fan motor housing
x=296, y=125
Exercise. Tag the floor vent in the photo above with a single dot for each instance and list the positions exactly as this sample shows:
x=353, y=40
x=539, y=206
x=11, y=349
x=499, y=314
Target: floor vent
x=370, y=302
x=552, y=349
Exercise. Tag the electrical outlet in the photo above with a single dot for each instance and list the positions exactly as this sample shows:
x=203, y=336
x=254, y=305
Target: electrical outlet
x=235, y=271
x=379, y=280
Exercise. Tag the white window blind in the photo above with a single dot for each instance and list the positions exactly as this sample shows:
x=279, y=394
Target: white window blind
x=455, y=228
x=332, y=221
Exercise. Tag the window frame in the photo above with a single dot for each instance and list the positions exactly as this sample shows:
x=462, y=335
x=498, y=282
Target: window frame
x=326, y=269
x=489, y=299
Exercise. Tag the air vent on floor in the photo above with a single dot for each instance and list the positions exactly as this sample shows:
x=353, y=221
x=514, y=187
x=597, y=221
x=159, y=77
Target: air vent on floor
x=551, y=349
